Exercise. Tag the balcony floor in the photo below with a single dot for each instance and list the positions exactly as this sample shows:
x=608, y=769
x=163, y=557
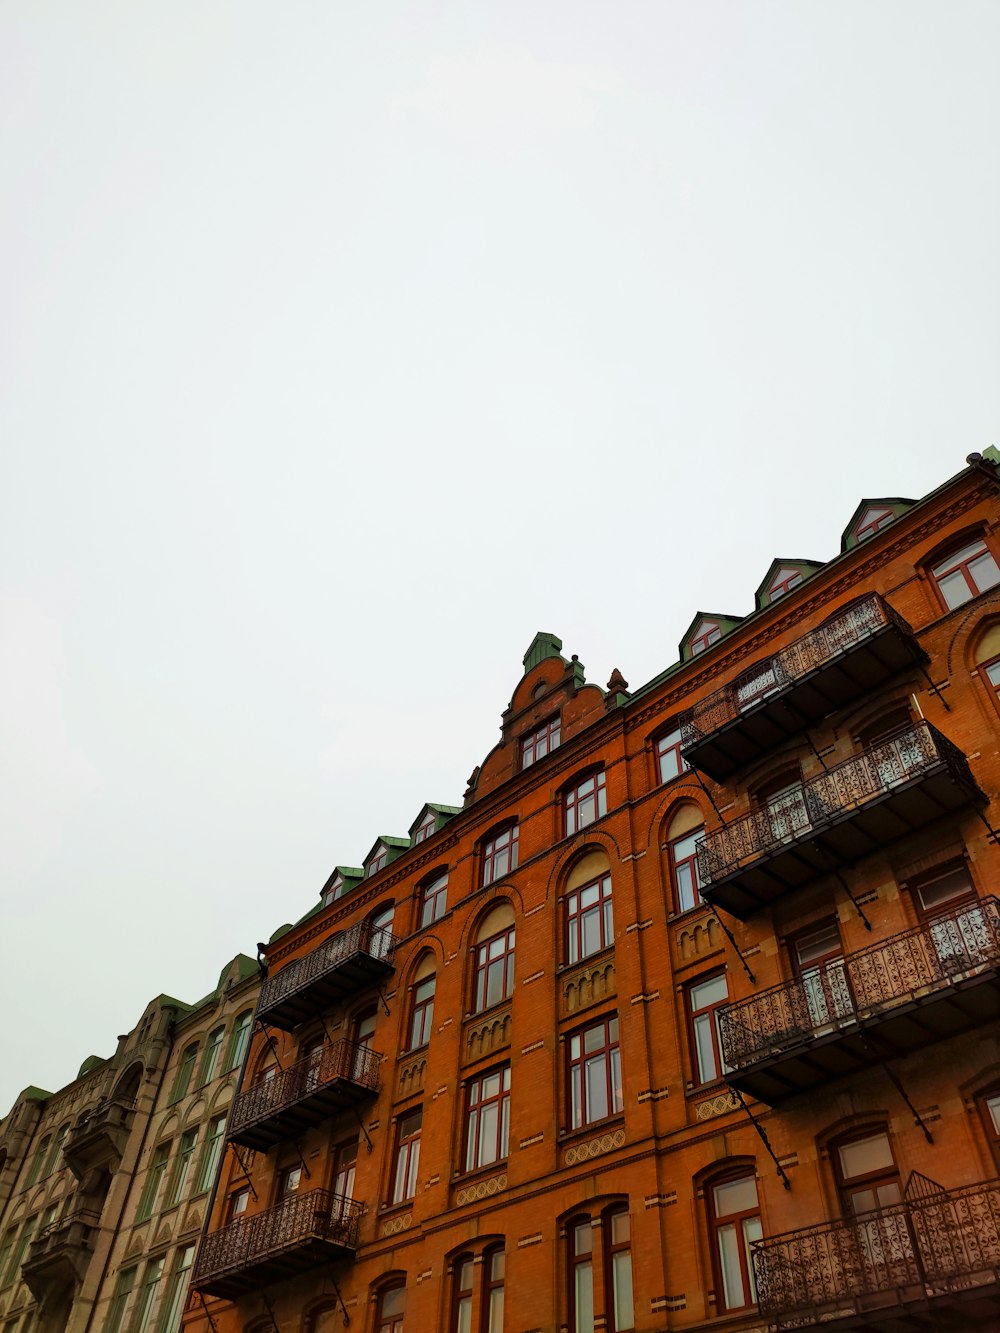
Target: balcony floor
x=263, y=1270
x=355, y=972
x=314, y=1106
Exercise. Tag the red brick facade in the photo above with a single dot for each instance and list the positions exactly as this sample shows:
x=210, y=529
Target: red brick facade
x=850, y=859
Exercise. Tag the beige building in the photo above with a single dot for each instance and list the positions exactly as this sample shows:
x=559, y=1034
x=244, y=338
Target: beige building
x=103, y=1184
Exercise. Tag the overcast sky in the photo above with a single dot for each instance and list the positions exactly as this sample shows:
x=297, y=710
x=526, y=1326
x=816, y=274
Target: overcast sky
x=344, y=346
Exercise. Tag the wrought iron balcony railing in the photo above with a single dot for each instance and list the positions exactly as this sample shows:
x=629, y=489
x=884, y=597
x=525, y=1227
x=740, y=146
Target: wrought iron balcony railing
x=940, y=1249
x=855, y=651
x=297, y=1234
x=897, y=785
x=354, y=958
x=897, y=996
x=280, y=1106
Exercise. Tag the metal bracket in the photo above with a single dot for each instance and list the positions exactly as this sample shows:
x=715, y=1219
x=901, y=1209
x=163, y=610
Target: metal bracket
x=340, y=1302
x=208, y=1314
x=243, y=1167
x=270, y=1041
x=842, y=882
x=364, y=1131
x=762, y=1133
x=934, y=688
x=994, y=836
x=298, y=1154
x=270, y=1311
x=711, y=799
x=385, y=1002
x=893, y=1079
x=732, y=940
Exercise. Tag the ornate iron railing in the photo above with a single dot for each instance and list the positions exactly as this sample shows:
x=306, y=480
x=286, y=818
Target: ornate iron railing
x=315, y=1215
x=852, y=626
x=360, y=938
x=863, y=984
x=806, y=809
x=340, y=1060
x=943, y=1241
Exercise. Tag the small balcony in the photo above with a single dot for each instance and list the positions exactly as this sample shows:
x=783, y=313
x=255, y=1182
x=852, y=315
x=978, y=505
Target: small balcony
x=98, y=1138
x=930, y=1262
x=305, y=1231
x=59, y=1255
x=335, y=1078
x=893, y=788
x=893, y=998
x=855, y=652
x=342, y=965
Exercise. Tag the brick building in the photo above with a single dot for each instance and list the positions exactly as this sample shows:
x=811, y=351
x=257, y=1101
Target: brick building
x=688, y=1017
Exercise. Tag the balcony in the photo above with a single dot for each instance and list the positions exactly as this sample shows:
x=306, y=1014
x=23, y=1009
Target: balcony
x=338, y=1076
x=935, y=1257
x=59, y=1255
x=896, y=787
x=302, y=1232
x=98, y=1138
x=893, y=998
x=856, y=651
x=341, y=966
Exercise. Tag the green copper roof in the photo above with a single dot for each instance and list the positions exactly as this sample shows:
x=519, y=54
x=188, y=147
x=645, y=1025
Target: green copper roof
x=542, y=646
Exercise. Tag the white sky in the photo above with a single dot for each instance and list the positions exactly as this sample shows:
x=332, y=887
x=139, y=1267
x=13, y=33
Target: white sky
x=344, y=346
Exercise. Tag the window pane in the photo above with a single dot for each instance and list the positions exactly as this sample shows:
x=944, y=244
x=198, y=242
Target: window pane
x=993, y=1106
x=735, y=1196
x=864, y=1155
x=954, y=589
x=709, y=992
x=582, y=1238
x=984, y=572
x=584, y=1298
x=597, y=1088
x=621, y=1266
x=495, y=1324
x=706, y=1051
x=752, y=1231
x=733, y=1294
x=463, y=1324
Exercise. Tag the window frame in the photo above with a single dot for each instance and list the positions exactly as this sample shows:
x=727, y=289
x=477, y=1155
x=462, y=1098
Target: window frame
x=709, y=633
x=475, y=1104
x=877, y=1177
x=379, y=861
x=210, y=1056
x=483, y=964
x=661, y=750
x=492, y=1284
x=577, y=1066
x=425, y=829
x=406, y=1156
x=211, y=1153
x=499, y=847
x=945, y=566
x=717, y=1223
x=185, y=1071
x=540, y=742
x=433, y=899
x=574, y=916
x=613, y=1249
x=575, y=799
x=422, y=1013
x=393, y=1321
x=884, y=516
x=687, y=861
x=239, y=1041
x=463, y=1295
x=779, y=588
x=711, y=1012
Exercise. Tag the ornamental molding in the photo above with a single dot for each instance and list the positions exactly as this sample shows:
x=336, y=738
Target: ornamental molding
x=708, y=1110
x=583, y=1152
x=397, y=1224
x=483, y=1189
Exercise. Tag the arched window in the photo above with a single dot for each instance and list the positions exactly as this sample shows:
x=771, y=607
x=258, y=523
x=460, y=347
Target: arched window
x=380, y=930
x=585, y=801
x=127, y=1087
x=213, y=1048
x=494, y=1266
x=433, y=898
x=499, y=853
x=965, y=573
x=465, y=1267
x=240, y=1040
x=391, y=1308
x=686, y=831
x=602, y=1243
x=493, y=958
x=422, y=1011
x=734, y=1218
x=590, y=923
x=987, y=661
x=184, y=1071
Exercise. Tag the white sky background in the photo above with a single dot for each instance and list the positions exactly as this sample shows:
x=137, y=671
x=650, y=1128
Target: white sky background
x=344, y=346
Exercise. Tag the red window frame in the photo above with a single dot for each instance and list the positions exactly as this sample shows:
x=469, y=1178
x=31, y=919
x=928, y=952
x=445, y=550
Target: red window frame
x=480, y=1099
x=990, y=672
x=581, y=909
x=379, y=860
x=494, y=958
x=391, y=1308
x=686, y=865
x=590, y=791
x=738, y=1219
x=710, y=1010
x=236, y=1204
x=960, y=562
x=670, y=763
x=433, y=900
x=709, y=632
x=406, y=1158
x=868, y=526
x=540, y=742
x=615, y=1250
x=581, y=1266
x=779, y=587
x=500, y=854
x=465, y=1277
x=422, y=1017
x=989, y=1112
x=494, y=1269
x=289, y=1181
x=881, y=1177
x=605, y=1054
x=345, y=1161
x=425, y=828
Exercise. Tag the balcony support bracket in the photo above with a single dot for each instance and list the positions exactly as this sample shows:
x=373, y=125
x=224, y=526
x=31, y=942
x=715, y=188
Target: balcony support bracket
x=243, y=1167
x=934, y=688
x=364, y=1131
x=302, y=1160
x=385, y=1002
x=270, y=1041
x=994, y=836
x=340, y=1302
x=732, y=940
x=844, y=885
x=762, y=1135
x=894, y=1080
x=270, y=1311
x=711, y=799
x=208, y=1313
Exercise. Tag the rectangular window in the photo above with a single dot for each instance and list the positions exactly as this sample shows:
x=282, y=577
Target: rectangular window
x=173, y=1301
x=595, y=1073
x=736, y=1217
x=344, y=1166
x=500, y=854
x=966, y=573
x=585, y=802
x=154, y=1178
x=684, y=870
x=211, y=1057
x=540, y=743
x=289, y=1181
x=380, y=859
x=582, y=1276
x=487, y=1119
x=705, y=999
x=589, y=921
x=184, y=1072
x=425, y=828
x=57, y=1144
x=35, y=1170
x=21, y=1248
x=494, y=969
x=433, y=901
x=495, y=1268
x=423, y=1013
x=404, y=1185
x=236, y=1205
x=618, y=1240
x=211, y=1153
x=142, y=1321
x=182, y=1167
x=669, y=762
x=123, y=1290
x=239, y=1041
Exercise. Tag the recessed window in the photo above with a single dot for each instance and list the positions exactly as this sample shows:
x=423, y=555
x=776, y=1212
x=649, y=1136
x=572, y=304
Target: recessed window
x=154, y=1180
x=537, y=744
x=585, y=802
x=705, y=999
x=670, y=763
x=344, y=1165
x=867, y=1175
x=184, y=1071
x=465, y=1268
x=707, y=633
x=612, y=1233
x=173, y=1300
x=391, y=1308
x=240, y=1040
x=735, y=1217
x=494, y=1264
x=422, y=1018
x=874, y=519
x=182, y=1167
x=289, y=1181
x=142, y=1319
x=684, y=874
x=785, y=579
x=595, y=1073
x=500, y=854
x=589, y=920
x=210, y=1059
x=211, y=1153
x=404, y=1180
x=494, y=969
x=425, y=828
x=989, y=1109
x=236, y=1204
x=433, y=900
x=487, y=1119
x=618, y=1245
x=965, y=573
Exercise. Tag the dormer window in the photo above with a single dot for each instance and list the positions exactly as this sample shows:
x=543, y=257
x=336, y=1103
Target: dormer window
x=707, y=633
x=785, y=579
x=333, y=890
x=425, y=828
x=874, y=519
x=538, y=743
x=379, y=859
